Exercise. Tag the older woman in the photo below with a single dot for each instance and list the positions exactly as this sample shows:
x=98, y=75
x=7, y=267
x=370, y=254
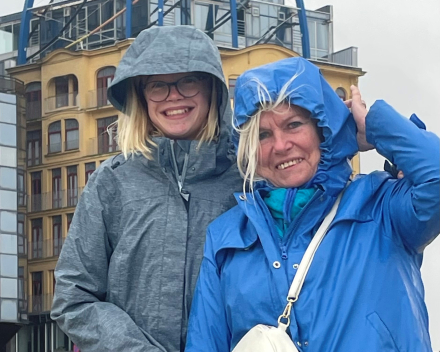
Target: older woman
x=127, y=272
x=363, y=291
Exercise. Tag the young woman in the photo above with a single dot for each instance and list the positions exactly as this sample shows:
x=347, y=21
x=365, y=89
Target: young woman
x=127, y=271
x=363, y=291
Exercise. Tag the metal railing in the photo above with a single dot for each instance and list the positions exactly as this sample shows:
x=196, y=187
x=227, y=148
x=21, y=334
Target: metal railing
x=71, y=145
x=61, y=101
x=45, y=248
x=53, y=200
x=54, y=148
x=40, y=303
x=347, y=57
x=33, y=110
x=103, y=144
x=11, y=85
x=97, y=98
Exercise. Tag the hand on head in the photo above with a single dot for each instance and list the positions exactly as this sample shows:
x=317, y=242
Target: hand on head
x=359, y=111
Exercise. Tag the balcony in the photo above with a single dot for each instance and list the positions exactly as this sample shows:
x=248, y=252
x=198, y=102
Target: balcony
x=40, y=303
x=71, y=145
x=53, y=200
x=62, y=101
x=45, y=249
x=103, y=144
x=33, y=110
x=347, y=57
x=97, y=99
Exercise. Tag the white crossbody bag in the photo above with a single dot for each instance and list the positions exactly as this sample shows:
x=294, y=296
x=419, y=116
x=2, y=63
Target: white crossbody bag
x=265, y=338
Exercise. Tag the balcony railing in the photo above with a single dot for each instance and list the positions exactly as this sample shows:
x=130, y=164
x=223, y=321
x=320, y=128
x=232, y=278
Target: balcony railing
x=40, y=303
x=33, y=160
x=102, y=145
x=62, y=101
x=347, y=57
x=33, y=110
x=71, y=145
x=54, y=148
x=97, y=98
x=45, y=249
x=53, y=200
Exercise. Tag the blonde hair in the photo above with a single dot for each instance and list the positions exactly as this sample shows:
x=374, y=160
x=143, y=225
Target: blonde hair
x=135, y=129
x=249, y=132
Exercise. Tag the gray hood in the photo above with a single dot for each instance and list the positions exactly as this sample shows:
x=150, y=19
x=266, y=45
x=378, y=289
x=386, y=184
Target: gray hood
x=165, y=50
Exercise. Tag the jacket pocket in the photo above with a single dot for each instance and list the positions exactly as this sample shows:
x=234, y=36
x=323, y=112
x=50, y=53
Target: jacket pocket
x=387, y=341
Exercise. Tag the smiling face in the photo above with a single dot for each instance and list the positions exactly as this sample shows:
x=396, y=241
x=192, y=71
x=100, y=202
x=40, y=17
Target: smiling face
x=178, y=117
x=289, y=147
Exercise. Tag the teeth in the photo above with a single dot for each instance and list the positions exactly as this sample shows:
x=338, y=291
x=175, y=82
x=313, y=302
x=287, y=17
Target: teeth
x=176, y=112
x=289, y=163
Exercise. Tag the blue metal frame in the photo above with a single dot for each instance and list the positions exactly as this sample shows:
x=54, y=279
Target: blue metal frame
x=128, y=19
x=160, y=13
x=24, y=31
x=234, y=26
x=305, y=41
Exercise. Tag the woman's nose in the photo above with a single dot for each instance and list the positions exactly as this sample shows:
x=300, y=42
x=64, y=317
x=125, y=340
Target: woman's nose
x=281, y=143
x=174, y=94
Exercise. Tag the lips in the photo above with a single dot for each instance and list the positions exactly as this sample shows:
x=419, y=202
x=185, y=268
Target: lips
x=289, y=163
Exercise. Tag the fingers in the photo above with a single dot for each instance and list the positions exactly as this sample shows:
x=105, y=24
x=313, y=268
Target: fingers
x=348, y=103
x=356, y=94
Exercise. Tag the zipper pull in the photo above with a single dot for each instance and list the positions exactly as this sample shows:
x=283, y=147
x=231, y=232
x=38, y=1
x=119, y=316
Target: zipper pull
x=284, y=252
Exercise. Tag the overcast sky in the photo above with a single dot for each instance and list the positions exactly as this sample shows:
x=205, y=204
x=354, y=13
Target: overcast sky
x=399, y=48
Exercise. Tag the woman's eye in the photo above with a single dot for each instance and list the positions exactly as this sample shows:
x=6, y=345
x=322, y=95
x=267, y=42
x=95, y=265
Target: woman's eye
x=294, y=124
x=263, y=135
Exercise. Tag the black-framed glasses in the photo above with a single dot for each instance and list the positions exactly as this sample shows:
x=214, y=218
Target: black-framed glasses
x=188, y=87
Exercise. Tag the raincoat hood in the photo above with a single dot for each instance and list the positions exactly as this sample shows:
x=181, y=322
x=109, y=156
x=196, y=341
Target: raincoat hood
x=310, y=91
x=166, y=50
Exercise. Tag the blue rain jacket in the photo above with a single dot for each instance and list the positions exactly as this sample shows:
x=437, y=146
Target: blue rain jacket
x=364, y=290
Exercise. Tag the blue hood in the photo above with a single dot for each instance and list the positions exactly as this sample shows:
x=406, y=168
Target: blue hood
x=310, y=91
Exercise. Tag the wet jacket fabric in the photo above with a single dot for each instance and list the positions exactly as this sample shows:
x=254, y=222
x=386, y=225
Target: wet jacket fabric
x=364, y=290
x=127, y=271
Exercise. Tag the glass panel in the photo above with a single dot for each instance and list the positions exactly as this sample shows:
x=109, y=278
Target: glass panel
x=8, y=178
x=8, y=156
x=8, y=307
x=8, y=200
x=8, y=221
x=55, y=127
x=8, y=112
x=8, y=134
x=8, y=245
x=9, y=264
x=106, y=72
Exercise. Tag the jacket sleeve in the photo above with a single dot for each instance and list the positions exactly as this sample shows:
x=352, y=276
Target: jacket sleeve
x=79, y=305
x=208, y=329
x=414, y=207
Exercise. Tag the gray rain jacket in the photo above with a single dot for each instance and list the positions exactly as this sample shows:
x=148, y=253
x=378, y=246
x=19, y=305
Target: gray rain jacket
x=127, y=271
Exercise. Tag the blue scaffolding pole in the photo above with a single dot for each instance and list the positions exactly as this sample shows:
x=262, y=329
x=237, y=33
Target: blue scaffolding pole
x=234, y=26
x=24, y=31
x=305, y=41
x=160, y=13
x=128, y=19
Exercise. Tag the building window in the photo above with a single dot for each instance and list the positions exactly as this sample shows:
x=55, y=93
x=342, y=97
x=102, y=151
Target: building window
x=232, y=82
x=66, y=92
x=341, y=93
x=37, y=238
x=37, y=292
x=56, y=233
x=69, y=220
x=21, y=182
x=72, y=134
x=56, y=188
x=33, y=101
x=62, y=91
x=21, y=290
x=90, y=168
x=34, y=148
x=106, y=138
x=55, y=137
x=105, y=77
x=36, y=201
x=21, y=238
x=72, y=186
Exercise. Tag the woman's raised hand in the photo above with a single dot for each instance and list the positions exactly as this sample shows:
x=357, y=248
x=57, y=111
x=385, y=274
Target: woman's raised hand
x=359, y=111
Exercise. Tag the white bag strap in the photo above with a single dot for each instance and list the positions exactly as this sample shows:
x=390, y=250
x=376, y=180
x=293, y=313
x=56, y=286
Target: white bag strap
x=306, y=261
